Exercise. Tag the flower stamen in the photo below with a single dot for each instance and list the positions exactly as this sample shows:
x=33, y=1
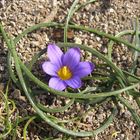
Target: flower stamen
x=64, y=73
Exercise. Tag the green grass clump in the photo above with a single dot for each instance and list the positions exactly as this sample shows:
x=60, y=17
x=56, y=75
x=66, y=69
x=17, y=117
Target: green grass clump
x=6, y=111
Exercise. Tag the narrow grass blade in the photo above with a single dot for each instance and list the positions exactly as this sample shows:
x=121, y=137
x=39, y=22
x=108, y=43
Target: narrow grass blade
x=26, y=125
x=70, y=13
x=137, y=45
x=57, y=109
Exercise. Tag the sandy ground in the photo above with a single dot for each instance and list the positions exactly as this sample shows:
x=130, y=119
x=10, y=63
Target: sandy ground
x=110, y=16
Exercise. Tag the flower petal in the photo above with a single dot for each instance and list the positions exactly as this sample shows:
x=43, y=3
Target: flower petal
x=83, y=69
x=71, y=58
x=50, y=68
x=54, y=54
x=74, y=82
x=57, y=83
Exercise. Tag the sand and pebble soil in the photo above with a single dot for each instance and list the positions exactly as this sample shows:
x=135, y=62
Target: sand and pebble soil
x=110, y=16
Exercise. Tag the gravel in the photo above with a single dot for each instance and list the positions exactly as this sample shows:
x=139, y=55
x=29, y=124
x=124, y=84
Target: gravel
x=110, y=16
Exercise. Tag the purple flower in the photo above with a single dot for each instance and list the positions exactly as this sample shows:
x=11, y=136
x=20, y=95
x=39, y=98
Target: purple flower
x=65, y=69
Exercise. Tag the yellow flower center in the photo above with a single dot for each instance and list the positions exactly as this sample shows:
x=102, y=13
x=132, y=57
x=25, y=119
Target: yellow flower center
x=64, y=73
